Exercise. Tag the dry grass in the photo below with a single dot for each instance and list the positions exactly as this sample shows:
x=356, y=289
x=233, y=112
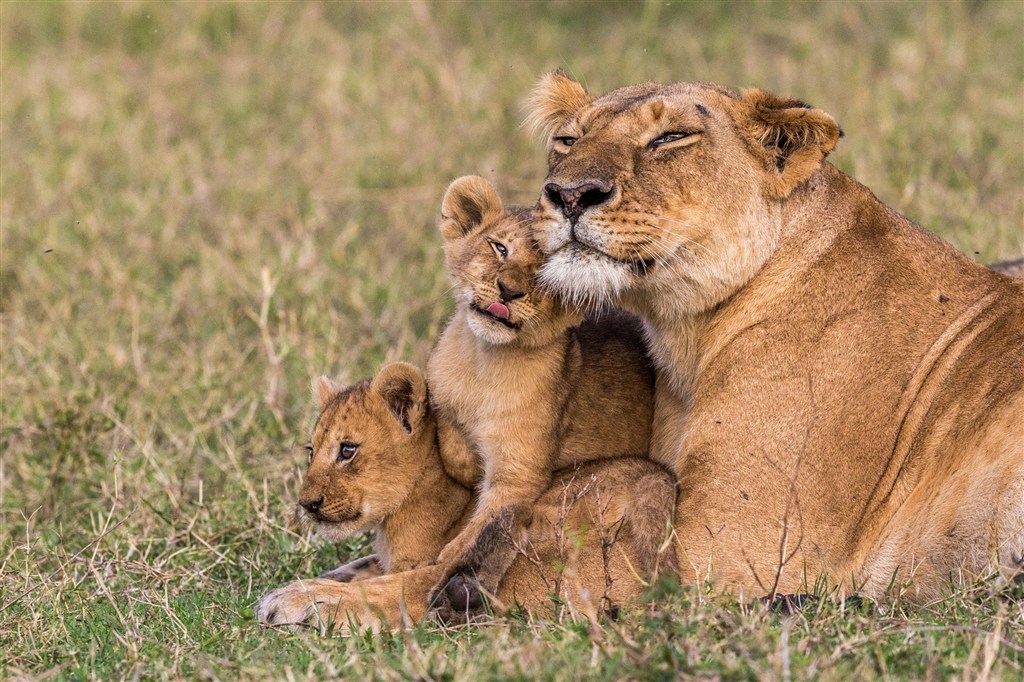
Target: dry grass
x=204, y=205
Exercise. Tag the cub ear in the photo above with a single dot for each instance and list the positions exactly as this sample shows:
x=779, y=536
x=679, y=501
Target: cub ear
x=324, y=389
x=404, y=390
x=468, y=203
x=554, y=99
x=795, y=135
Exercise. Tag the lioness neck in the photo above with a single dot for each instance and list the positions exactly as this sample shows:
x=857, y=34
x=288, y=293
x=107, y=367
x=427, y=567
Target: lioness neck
x=686, y=330
x=427, y=519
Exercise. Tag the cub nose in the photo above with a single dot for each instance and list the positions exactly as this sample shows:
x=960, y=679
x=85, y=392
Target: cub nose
x=312, y=506
x=576, y=199
x=509, y=294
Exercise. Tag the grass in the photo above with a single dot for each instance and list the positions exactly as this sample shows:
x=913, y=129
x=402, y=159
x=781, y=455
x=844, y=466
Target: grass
x=203, y=205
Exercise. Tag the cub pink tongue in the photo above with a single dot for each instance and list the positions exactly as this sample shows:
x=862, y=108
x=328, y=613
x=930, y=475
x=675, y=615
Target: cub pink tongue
x=498, y=310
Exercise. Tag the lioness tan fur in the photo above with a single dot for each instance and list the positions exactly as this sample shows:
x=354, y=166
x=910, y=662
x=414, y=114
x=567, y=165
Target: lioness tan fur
x=596, y=530
x=520, y=390
x=840, y=392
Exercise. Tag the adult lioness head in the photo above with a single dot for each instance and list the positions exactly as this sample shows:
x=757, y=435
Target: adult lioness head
x=366, y=452
x=493, y=261
x=672, y=187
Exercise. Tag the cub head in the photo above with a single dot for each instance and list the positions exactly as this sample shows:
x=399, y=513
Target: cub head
x=676, y=188
x=493, y=262
x=370, y=445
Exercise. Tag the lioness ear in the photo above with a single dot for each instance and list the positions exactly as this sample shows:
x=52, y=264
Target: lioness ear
x=468, y=203
x=795, y=135
x=324, y=389
x=555, y=98
x=404, y=391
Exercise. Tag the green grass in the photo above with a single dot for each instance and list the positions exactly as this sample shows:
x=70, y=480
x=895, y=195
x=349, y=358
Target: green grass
x=205, y=205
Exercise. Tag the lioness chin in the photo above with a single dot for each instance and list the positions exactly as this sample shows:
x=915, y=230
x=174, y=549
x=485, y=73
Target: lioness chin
x=851, y=386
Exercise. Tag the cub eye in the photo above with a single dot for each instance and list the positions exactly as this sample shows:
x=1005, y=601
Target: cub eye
x=347, y=451
x=672, y=136
x=309, y=454
x=567, y=140
x=500, y=249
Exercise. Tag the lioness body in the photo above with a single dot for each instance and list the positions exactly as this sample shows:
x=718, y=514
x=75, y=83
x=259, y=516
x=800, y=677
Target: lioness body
x=593, y=529
x=902, y=422
x=840, y=392
x=524, y=391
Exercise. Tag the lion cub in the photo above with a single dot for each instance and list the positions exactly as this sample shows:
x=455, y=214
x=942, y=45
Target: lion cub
x=520, y=386
x=374, y=465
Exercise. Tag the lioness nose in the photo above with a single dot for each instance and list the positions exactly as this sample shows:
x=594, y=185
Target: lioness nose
x=575, y=200
x=312, y=506
x=508, y=293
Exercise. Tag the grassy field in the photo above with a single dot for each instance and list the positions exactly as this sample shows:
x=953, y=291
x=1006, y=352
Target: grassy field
x=205, y=205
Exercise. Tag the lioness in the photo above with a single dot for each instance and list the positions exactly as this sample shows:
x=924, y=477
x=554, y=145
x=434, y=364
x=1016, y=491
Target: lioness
x=520, y=390
x=851, y=386
x=374, y=464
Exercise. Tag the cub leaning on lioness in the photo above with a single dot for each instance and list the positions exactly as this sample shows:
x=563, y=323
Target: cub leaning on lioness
x=521, y=384
x=375, y=465
x=851, y=386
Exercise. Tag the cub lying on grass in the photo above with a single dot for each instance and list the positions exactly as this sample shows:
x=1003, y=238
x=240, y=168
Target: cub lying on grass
x=520, y=390
x=375, y=465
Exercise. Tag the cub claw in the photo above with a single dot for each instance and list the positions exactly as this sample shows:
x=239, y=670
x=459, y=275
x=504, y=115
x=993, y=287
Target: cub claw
x=292, y=605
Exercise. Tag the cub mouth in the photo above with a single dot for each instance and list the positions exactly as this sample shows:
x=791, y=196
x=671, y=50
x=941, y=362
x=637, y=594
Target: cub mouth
x=320, y=518
x=494, y=307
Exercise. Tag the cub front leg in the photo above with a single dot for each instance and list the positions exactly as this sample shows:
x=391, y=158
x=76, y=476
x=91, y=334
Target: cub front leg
x=477, y=559
x=312, y=603
x=390, y=601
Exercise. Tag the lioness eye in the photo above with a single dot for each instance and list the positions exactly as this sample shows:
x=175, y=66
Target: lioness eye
x=309, y=453
x=671, y=136
x=347, y=451
x=500, y=249
x=567, y=140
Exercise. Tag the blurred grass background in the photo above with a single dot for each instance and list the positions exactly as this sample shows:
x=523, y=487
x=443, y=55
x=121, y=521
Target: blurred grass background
x=204, y=205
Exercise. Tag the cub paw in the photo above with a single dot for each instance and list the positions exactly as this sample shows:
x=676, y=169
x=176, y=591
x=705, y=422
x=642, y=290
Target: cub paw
x=294, y=605
x=460, y=600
